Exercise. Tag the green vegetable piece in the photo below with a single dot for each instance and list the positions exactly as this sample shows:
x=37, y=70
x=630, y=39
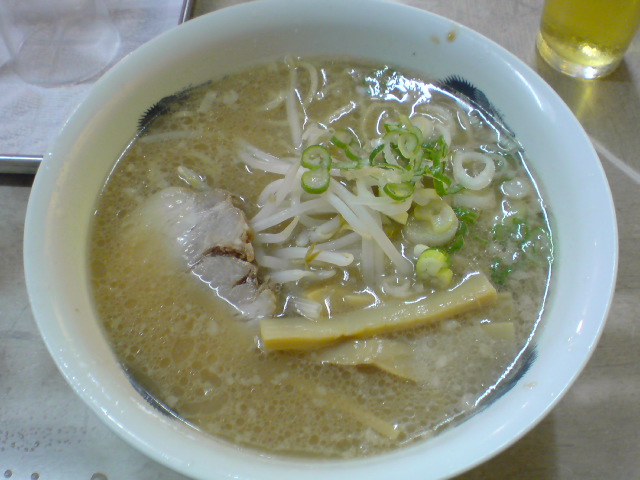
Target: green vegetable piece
x=527, y=246
x=436, y=150
x=316, y=181
x=408, y=145
x=316, y=157
x=466, y=215
x=500, y=272
x=500, y=233
x=398, y=191
x=515, y=230
x=374, y=154
x=346, y=141
x=347, y=165
x=344, y=138
x=433, y=265
x=458, y=240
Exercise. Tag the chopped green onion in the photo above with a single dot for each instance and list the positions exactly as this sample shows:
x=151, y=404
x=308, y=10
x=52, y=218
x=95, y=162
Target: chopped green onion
x=391, y=136
x=458, y=240
x=405, y=125
x=404, y=120
x=525, y=245
x=391, y=127
x=499, y=272
x=453, y=189
x=466, y=215
x=347, y=165
x=500, y=232
x=408, y=145
x=374, y=153
x=435, y=152
x=436, y=149
x=433, y=265
x=349, y=153
x=346, y=140
x=440, y=186
x=516, y=230
x=315, y=157
x=316, y=181
x=398, y=191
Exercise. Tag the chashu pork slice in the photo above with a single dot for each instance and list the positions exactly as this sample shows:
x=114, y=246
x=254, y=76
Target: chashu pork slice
x=213, y=240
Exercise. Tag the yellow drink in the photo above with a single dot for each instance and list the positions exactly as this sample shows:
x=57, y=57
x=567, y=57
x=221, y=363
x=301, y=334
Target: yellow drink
x=587, y=38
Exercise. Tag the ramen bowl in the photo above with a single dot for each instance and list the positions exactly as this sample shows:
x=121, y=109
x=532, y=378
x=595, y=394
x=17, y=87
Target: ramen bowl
x=75, y=168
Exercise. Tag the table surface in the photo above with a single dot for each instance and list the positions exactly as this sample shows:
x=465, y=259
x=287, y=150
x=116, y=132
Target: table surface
x=46, y=432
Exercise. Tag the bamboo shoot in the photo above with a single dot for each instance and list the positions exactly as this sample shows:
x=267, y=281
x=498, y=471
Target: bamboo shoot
x=392, y=356
x=297, y=333
x=334, y=400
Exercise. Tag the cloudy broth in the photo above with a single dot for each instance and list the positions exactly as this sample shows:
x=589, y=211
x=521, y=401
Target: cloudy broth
x=191, y=351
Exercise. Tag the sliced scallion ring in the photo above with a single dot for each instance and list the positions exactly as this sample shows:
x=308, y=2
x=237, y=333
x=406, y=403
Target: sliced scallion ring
x=316, y=157
x=348, y=165
x=391, y=136
x=399, y=191
x=374, y=154
x=433, y=264
x=409, y=145
x=316, y=181
x=343, y=138
x=409, y=126
x=347, y=141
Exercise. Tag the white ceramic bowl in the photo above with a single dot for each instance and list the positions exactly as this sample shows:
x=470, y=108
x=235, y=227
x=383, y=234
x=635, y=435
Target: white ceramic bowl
x=66, y=187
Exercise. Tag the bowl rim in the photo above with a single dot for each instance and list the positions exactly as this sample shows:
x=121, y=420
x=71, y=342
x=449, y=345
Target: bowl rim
x=118, y=407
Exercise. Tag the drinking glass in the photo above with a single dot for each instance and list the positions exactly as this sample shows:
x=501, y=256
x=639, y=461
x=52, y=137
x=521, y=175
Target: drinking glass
x=587, y=38
x=58, y=42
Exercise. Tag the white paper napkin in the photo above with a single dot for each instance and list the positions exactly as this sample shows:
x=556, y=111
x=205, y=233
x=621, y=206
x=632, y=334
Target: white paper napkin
x=30, y=116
